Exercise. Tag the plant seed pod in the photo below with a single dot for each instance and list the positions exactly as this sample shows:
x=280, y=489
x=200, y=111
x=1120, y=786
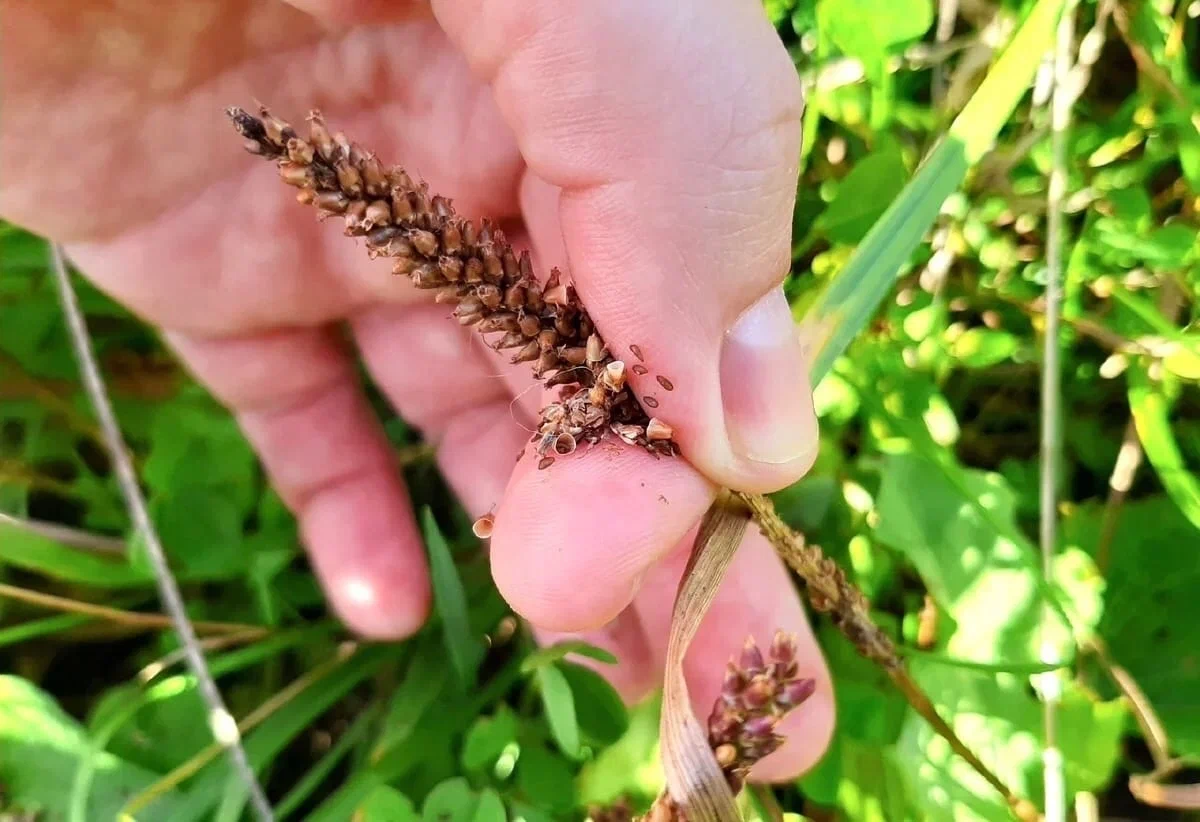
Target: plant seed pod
x=469, y=305
x=423, y=241
x=469, y=319
x=726, y=755
x=305, y=196
x=512, y=339
x=427, y=276
x=556, y=295
x=373, y=176
x=334, y=202
x=722, y=724
x=758, y=727
x=783, y=647
x=656, y=429
x=574, y=356
x=452, y=237
x=564, y=326
x=614, y=375
x=564, y=444
x=547, y=361
x=759, y=692
x=750, y=659
x=451, y=268
x=512, y=269
x=349, y=178
x=474, y=271
x=489, y=294
x=381, y=236
x=441, y=208
x=527, y=354
x=404, y=266
x=484, y=526
x=597, y=394
x=493, y=269
x=277, y=131
x=402, y=210
x=547, y=338
x=530, y=325
x=295, y=175
x=378, y=213
x=299, y=151
x=499, y=321
x=595, y=349
x=629, y=433
x=795, y=692
x=319, y=136
x=514, y=297
x=447, y=294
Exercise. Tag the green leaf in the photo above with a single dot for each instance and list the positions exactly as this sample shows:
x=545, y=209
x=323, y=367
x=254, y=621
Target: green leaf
x=201, y=528
x=451, y=603
x=546, y=780
x=863, y=195
x=386, y=804
x=631, y=765
x=601, y=711
x=450, y=801
x=559, y=704
x=998, y=719
x=559, y=650
x=1150, y=416
x=42, y=555
x=424, y=680
x=41, y=747
x=984, y=347
x=487, y=739
x=490, y=807
x=868, y=29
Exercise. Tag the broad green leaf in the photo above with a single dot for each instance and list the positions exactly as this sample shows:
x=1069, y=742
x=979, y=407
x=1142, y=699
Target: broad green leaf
x=957, y=527
x=1150, y=416
x=1150, y=605
x=868, y=29
x=559, y=704
x=451, y=603
x=602, y=714
x=487, y=739
x=41, y=746
x=984, y=347
x=42, y=555
x=490, y=807
x=631, y=765
x=996, y=717
x=386, y=804
x=863, y=195
x=450, y=801
x=559, y=650
x=546, y=780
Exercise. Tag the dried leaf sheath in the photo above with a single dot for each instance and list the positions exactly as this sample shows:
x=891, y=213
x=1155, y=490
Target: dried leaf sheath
x=472, y=268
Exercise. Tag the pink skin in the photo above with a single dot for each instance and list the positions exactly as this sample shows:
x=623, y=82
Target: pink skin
x=646, y=147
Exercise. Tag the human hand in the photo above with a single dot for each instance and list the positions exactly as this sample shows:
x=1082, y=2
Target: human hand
x=646, y=148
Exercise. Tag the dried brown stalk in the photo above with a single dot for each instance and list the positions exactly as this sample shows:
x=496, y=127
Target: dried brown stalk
x=472, y=268
x=494, y=290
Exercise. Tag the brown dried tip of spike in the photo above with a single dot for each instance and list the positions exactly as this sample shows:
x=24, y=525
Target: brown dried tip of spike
x=484, y=526
x=658, y=430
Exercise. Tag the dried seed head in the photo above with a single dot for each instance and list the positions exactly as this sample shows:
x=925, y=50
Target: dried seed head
x=378, y=213
x=483, y=526
x=423, y=241
x=783, y=647
x=296, y=175
x=595, y=349
x=614, y=375
x=657, y=430
x=299, y=151
x=759, y=692
x=751, y=659
x=795, y=692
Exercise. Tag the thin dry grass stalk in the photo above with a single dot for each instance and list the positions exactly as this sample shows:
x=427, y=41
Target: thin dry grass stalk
x=492, y=289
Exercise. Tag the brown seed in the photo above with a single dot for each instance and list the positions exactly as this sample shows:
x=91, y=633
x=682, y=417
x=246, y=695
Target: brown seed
x=650, y=402
x=564, y=326
x=665, y=383
x=319, y=135
x=469, y=305
x=489, y=294
x=564, y=444
x=470, y=234
x=277, y=130
x=452, y=238
x=402, y=210
x=299, y=151
x=527, y=354
x=378, y=213
x=469, y=319
x=614, y=375
x=305, y=196
x=373, y=176
x=546, y=361
x=629, y=433
x=474, y=271
x=493, y=269
x=596, y=394
x=484, y=526
x=499, y=321
x=547, y=338
x=531, y=326
x=545, y=463
x=404, y=266
x=511, y=269
x=442, y=208
x=595, y=349
x=556, y=295
x=427, y=276
x=576, y=355
x=423, y=241
x=349, y=178
x=451, y=268
x=332, y=201
x=656, y=429
x=640, y=370
x=382, y=235
x=513, y=339
x=526, y=266
x=726, y=755
x=447, y=294
x=514, y=296
x=637, y=352
x=295, y=175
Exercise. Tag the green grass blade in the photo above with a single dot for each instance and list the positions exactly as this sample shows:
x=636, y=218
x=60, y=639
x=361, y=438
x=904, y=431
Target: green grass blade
x=846, y=304
x=451, y=602
x=1150, y=417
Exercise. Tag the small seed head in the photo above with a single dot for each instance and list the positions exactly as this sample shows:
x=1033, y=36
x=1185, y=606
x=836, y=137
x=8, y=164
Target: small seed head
x=484, y=526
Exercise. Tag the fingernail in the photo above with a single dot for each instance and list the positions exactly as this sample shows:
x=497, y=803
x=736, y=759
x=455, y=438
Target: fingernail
x=769, y=415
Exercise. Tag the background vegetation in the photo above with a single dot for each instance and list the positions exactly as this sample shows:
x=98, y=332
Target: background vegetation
x=926, y=491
